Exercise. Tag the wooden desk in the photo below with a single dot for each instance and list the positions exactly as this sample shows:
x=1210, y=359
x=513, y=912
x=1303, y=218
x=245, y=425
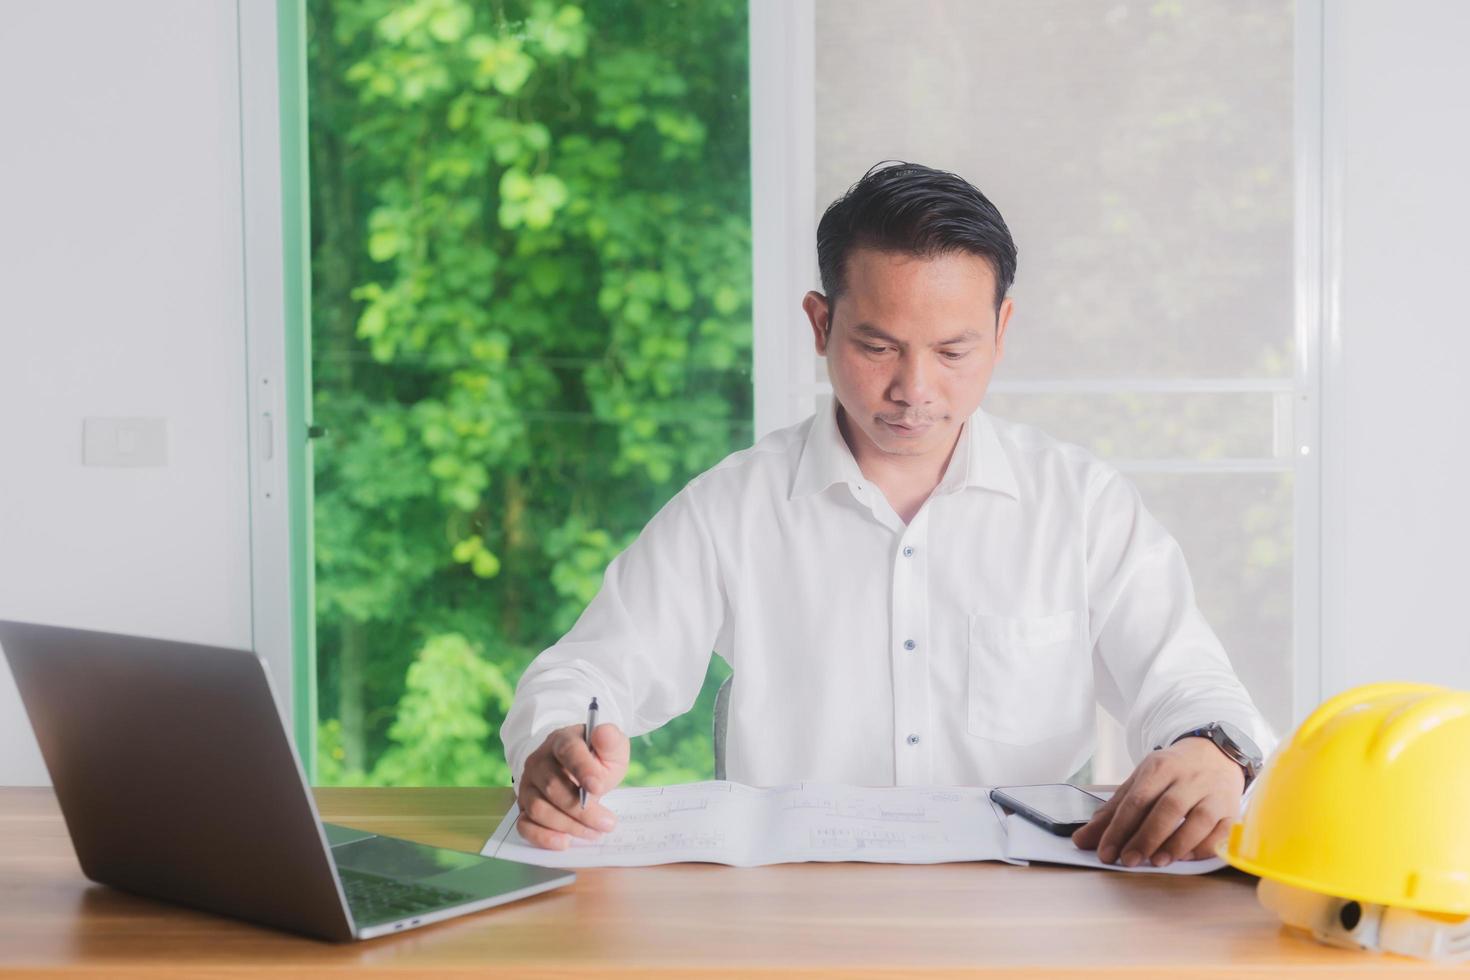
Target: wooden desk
x=848, y=920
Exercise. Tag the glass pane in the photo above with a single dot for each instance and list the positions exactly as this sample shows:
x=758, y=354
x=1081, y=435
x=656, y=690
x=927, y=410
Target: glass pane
x=1142, y=154
x=531, y=326
x=1236, y=532
x=1140, y=151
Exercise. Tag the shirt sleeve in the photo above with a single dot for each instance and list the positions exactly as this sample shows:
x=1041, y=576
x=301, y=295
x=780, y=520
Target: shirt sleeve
x=641, y=647
x=1161, y=671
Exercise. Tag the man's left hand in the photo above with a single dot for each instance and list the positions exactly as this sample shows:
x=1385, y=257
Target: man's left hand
x=1177, y=804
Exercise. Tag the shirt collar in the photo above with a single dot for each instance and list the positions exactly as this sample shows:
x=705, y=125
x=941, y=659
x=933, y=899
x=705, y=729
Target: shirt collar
x=979, y=459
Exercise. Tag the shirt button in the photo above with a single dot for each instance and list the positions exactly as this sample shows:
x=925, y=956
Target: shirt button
x=909, y=644
x=908, y=552
x=913, y=740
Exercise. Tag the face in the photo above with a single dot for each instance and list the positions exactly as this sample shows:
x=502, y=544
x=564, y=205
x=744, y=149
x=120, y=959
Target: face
x=910, y=349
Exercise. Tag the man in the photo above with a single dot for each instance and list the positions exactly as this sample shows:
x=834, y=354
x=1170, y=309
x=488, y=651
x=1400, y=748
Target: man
x=908, y=590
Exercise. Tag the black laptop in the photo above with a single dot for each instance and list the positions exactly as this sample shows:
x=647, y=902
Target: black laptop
x=178, y=781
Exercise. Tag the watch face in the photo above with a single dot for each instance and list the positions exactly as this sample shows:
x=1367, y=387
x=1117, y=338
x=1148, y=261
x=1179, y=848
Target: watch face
x=1242, y=741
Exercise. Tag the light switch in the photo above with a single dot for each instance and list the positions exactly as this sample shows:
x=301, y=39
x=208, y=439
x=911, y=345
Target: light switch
x=124, y=442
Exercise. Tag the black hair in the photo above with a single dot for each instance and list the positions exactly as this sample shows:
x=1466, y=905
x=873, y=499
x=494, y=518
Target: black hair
x=913, y=210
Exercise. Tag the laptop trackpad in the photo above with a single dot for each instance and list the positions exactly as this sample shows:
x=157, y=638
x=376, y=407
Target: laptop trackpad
x=400, y=859
x=337, y=835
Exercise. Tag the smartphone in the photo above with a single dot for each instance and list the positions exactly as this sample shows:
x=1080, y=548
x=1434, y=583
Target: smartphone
x=1058, y=807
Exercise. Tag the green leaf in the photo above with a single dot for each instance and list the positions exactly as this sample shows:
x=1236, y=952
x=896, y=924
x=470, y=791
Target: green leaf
x=485, y=564
x=465, y=498
x=450, y=23
x=516, y=186
x=537, y=213
x=467, y=549
x=637, y=311
x=549, y=188
x=445, y=467
x=680, y=297
x=512, y=72
x=726, y=300
x=384, y=244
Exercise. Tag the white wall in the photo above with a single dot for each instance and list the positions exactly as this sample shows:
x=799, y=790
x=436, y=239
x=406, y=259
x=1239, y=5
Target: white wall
x=1396, y=526
x=120, y=295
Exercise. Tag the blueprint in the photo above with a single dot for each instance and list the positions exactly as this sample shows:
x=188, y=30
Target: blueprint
x=730, y=823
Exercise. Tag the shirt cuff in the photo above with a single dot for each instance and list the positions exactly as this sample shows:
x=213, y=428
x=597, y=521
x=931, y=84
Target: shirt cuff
x=548, y=717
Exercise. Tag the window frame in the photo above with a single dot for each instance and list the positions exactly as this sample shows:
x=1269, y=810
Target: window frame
x=275, y=229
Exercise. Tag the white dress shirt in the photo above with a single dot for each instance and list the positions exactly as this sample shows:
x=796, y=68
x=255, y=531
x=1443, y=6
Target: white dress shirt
x=968, y=647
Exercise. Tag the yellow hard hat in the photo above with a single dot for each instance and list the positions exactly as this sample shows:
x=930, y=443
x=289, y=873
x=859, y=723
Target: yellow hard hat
x=1369, y=801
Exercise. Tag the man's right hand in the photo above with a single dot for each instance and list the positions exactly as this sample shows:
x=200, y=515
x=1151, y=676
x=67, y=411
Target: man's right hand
x=551, y=808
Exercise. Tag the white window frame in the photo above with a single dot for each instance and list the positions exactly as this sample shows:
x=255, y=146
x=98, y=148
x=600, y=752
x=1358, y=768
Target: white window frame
x=263, y=228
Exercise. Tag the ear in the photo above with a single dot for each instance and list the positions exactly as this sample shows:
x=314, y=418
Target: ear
x=1002, y=320
x=819, y=312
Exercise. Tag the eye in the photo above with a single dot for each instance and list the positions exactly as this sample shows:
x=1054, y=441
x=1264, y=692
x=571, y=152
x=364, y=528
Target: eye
x=952, y=355
x=874, y=350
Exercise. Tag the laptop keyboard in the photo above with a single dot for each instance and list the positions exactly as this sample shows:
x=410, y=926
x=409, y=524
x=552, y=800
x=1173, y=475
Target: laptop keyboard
x=374, y=898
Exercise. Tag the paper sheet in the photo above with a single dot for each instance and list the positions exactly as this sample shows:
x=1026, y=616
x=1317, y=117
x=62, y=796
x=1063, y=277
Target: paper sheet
x=1028, y=842
x=730, y=823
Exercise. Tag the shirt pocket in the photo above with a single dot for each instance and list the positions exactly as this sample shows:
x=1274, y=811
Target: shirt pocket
x=1029, y=677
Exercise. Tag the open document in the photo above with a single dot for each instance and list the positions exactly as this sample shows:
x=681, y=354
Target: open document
x=730, y=823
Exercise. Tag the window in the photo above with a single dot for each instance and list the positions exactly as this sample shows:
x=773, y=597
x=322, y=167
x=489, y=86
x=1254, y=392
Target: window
x=530, y=327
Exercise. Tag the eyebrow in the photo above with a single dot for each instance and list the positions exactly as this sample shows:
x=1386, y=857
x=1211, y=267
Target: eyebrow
x=868, y=330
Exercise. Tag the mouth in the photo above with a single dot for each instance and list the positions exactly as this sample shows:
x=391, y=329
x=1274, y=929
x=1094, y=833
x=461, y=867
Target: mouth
x=910, y=431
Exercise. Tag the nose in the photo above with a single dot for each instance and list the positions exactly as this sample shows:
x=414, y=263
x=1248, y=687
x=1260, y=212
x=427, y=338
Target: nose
x=912, y=382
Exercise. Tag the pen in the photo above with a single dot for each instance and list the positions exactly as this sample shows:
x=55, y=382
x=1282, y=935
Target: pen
x=591, y=724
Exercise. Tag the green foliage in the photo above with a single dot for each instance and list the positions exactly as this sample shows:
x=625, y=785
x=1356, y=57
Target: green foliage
x=531, y=306
x=441, y=734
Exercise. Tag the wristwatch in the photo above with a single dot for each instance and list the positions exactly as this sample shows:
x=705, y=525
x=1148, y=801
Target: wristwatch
x=1236, y=745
